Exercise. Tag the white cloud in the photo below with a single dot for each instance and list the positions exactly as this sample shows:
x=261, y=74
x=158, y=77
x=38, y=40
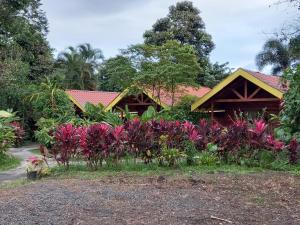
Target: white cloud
x=239, y=28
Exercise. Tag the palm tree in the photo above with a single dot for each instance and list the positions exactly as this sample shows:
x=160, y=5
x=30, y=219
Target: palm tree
x=81, y=66
x=279, y=54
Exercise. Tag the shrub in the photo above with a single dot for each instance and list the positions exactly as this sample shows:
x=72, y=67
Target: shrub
x=7, y=138
x=46, y=132
x=191, y=153
x=18, y=131
x=208, y=158
x=66, y=143
x=141, y=138
x=169, y=155
x=118, y=141
x=96, y=148
x=293, y=151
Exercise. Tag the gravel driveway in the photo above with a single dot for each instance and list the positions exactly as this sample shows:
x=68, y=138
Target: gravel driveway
x=206, y=199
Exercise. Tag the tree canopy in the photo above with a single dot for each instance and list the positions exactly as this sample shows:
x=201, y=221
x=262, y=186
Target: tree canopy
x=80, y=67
x=279, y=55
x=163, y=67
x=184, y=24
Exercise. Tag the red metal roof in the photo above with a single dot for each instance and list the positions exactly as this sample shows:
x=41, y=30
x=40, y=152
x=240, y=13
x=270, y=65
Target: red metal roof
x=95, y=97
x=182, y=91
x=273, y=81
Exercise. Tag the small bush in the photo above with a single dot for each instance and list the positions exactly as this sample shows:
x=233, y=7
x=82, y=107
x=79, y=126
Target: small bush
x=208, y=158
x=7, y=138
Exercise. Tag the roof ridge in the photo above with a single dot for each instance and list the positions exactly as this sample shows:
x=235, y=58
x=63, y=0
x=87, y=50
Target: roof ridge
x=115, y=92
x=269, y=75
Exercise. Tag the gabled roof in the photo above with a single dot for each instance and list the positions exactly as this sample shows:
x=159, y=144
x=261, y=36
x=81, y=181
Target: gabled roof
x=273, y=81
x=165, y=97
x=269, y=83
x=81, y=97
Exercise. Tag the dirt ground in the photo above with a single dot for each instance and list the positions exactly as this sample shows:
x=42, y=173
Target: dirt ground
x=266, y=198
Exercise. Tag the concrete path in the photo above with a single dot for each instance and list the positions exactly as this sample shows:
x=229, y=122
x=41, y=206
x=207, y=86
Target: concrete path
x=23, y=153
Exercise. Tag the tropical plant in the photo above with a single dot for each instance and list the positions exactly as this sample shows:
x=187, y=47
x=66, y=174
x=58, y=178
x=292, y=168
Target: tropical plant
x=118, y=142
x=169, y=155
x=81, y=66
x=38, y=165
x=279, y=54
x=117, y=74
x=66, y=144
x=94, y=112
x=45, y=132
x=95, y=144
x=290, y=114
x=19, y=132
x=7, y=137
x=49, y=101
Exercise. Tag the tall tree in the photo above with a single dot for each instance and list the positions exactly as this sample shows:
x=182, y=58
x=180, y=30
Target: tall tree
x=80, y=66
x=116, y=74
x=279, y=55
x=23, y=27
x=290, y=114
x=165, y=67
x=184, y=24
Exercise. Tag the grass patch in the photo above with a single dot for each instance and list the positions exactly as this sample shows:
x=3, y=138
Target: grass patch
x=8, y=162
x=35, y=151
x=15, y=183
x=141, y=169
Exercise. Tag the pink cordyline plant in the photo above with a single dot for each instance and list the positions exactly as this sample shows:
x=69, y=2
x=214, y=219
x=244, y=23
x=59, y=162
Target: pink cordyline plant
x=259, y=127
x=67, y=142
x=118, y=141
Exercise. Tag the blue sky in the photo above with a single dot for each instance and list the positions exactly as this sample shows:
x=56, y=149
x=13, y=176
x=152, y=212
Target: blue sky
x=238, y=27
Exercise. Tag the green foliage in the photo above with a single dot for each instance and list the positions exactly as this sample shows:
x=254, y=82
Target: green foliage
x=182, y=110
x=8, y=161
x=184, y=24
x=278, y=54
x=22, y=37
x=290, y=115
x=116, y=74
x=207, y=158
x=214, y=74
x=7, y=137
x=94, y=112
x=149, y=114
x=112, y=119
x=45, y=132
x=164, y=67
x=191, y=153
x=169, y=155
x=49, y=101
x=80, y=67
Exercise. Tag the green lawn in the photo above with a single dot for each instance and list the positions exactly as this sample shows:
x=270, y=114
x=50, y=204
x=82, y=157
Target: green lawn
x=8, y=162
x=80, y=170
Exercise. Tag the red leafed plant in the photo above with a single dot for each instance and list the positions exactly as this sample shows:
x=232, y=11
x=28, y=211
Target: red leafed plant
x=141, y=139
x=67, y=141
x=97, y=144
x=259, y=127
x=293, y=149
x=19, y=132
x=191, y=132
x=118, y=141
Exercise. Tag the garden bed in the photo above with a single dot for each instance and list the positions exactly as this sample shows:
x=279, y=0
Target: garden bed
x=259, y=198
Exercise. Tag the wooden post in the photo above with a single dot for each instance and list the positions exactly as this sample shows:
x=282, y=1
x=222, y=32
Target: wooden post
x=212, y=111
x=245, y=89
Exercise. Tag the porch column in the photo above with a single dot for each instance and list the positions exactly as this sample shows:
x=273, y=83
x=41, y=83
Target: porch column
x=212, y=111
